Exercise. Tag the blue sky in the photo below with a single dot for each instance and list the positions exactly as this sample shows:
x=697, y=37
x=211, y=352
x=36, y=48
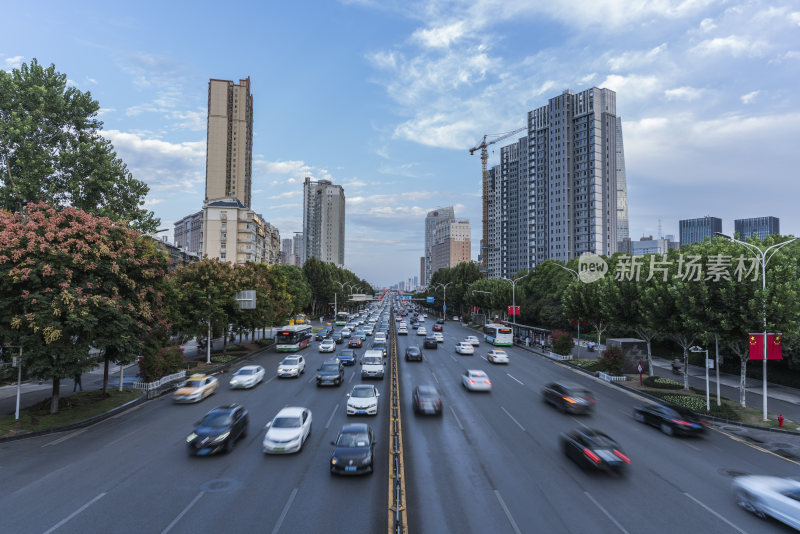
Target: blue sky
x=386, y=98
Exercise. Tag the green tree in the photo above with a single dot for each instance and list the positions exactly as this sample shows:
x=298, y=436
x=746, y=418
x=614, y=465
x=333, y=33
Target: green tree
x=52, y=150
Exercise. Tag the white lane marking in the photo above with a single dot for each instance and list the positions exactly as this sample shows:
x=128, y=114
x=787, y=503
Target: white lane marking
x=512, y=418
x=284, y=512
x=126, y=412
x=434, y=377
x=64, y=438
x=515, y=380
x=620, y=527
x=331, y=417
x=76, y=512
x=457, y=419
x=123, y=437
x=183, y=513
x=508, y=514
x=584, y=425
x=454, y=358
x=716, y=514
x=271, y=379
x=310, y=379
x=484, y=358
x=352, y=376
x=691, y=446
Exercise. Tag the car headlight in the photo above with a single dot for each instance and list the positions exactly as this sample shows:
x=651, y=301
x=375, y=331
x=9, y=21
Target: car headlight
x=334, y=460
x=190, y=437
x=221, y=437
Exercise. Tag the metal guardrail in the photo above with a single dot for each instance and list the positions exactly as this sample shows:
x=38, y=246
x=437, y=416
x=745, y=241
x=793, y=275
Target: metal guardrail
x=154, y=389
x=611, y=378
x=559, y=357
x=397, y=521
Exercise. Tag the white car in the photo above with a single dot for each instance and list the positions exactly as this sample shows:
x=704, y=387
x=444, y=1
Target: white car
x=247, y=377
x=380, y=336
x=363, y=400
x=497, y=356
x=472, y=340
x=292, y=366
x=372, y=364
x=464, y=348
x=327, y=345
x=287, y=431
x=424, y=315
x=439, y=337
x=476, y=380
x=421, y=331
x=402, y=331
x=769, y=496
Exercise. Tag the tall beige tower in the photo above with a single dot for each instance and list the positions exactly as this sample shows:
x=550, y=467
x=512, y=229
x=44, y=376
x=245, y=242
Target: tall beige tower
x=229, y=145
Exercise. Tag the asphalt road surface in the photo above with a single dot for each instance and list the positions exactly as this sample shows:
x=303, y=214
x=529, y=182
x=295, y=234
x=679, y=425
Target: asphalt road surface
x=490, y=464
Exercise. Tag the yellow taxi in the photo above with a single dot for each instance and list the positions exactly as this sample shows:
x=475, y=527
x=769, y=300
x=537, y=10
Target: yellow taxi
x=195, y=389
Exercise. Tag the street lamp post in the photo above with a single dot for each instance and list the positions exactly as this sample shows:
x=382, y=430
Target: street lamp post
x=513, y=292
x=705, y=364
x=444, y=302
x=574, y=272
x=761, y=254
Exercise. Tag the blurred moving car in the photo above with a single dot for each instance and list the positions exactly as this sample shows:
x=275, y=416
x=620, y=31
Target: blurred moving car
x=327, y=345
x=347, y=356
x=671, y=420
x=353, y=450
x=355, y=342
x=413, y=353
x=196, y=388
x=465, y=348
x=218, y=430
x=430, y=343
x=764, y=496
x=472, y=340
x=570, y=398
x=292, y=366
x=476, y=380
x=497, y=356
x=247, y=377
x=591, y=449
x=426, y=399
x=288, y=431
x=363, y=400
x=330, y=373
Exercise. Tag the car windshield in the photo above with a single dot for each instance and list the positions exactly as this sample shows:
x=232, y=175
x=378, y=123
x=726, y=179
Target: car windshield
x=427, y=391
x=193, y=383
x=329, y=367
x=372, y=361
x=499, y=353
x=601, y=440
x=353, y=439
x=362, y=393
x=578, y=393
x=346, y=353
x=290, y=361
x=286, y=422
x=477, y=374
x=216, y=419
x=241, y=372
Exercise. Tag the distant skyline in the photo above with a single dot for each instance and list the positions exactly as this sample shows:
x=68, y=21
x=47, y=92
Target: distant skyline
x=386, y=98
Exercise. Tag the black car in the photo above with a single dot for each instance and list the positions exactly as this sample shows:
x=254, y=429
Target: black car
x=670, y=420
x=218, y=430
x=427, y=400
x=430, y=343
x=347, y=356
x=353, y=450
x=323, y=333
x=413, y=354
x=440, y=321
x=338, y=338
x=380, y=345
x=568, y=397
x=591, y=449
x=330, y=373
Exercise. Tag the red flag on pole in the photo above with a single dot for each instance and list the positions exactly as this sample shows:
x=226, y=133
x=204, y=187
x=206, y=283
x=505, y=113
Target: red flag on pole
x=774, y=346
x=756, y=346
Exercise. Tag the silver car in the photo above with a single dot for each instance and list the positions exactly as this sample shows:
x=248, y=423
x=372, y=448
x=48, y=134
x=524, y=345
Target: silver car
x=476, y=380
x=769, y=496
x=292, y=366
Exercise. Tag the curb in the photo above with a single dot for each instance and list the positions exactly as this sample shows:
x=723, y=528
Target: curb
x=119, y=409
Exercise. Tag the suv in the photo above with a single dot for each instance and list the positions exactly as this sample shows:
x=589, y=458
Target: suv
x=372, y=364
x=330, y=373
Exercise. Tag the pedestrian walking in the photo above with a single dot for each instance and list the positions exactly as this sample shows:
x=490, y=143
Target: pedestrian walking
x=77, y=384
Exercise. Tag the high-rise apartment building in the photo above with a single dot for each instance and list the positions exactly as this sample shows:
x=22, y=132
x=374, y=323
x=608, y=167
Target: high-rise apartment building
x=229, y=143
x=760, y=226
x=622, y=187
x=234, y=233
x=555, y=194
x=422, y=269
x=287, y=257
x=297, y=248
x=451, y=244
x=188, y=233
x=431, y=220
x=323, y=221
x=696, y=230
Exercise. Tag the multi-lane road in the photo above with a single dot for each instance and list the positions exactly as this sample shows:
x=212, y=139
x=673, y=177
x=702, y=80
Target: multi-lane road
x=490, y=463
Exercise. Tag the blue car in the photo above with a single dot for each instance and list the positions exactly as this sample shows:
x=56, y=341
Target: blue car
x=347, y=356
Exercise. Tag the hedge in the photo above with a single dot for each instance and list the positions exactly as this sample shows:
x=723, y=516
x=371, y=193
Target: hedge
x=661, y=383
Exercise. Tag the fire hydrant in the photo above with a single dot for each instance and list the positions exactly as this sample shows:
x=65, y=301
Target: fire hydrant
x=780, y=420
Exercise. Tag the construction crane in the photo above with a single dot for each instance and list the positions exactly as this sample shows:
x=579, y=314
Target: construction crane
x=484, y=159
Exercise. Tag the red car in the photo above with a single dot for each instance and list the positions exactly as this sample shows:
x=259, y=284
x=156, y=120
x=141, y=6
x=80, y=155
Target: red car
x=354, y=343
x=437, y=328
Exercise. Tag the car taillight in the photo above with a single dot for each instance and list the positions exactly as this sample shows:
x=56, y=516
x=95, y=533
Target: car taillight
x=622, y=456
x=489, y=382
x=681, y=422
x=471, y=381
x=570, y=400
x=592, y=456
x=589, y=399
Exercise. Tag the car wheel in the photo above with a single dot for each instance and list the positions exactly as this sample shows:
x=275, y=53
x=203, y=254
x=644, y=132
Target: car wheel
x=638, y=416
x=744, y=500
x=371, y=467
x=666, y=429
x=229, y=445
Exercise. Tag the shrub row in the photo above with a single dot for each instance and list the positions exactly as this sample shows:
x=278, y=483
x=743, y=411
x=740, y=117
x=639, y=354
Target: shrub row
x=662, y=383
x=697, y=404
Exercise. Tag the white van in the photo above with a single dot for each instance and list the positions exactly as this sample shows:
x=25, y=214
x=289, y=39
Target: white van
x=380, y=336
x=372, y=364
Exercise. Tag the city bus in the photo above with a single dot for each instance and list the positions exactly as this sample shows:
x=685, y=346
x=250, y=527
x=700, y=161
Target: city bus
x=341, y=319
x=498, y=334
x=293, y=338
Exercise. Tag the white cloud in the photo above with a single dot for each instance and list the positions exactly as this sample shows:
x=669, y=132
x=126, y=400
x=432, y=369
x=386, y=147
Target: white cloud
x=635, y=59
x=749, y=97
x=684, y=93
x=438, y=131
x=13, y=62
x=707, y=25
x=442, y=36
x=634, y=86
x=734, y=45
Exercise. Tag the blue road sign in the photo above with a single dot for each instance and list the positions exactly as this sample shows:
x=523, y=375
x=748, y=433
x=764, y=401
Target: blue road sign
x=429, y=299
